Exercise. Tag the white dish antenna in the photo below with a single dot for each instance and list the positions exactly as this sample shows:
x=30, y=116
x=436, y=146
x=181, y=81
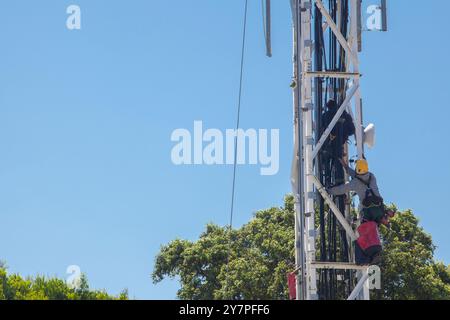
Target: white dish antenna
x=369, y=135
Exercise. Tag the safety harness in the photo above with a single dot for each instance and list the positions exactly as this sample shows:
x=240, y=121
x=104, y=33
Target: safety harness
x=370, y=199
x=373, y=205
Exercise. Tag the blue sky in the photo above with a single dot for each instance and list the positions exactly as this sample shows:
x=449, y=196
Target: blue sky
x=86, y=117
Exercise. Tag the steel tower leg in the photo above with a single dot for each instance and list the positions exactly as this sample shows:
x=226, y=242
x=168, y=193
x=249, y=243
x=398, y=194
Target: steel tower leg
x=306, y=102
x=297, y=167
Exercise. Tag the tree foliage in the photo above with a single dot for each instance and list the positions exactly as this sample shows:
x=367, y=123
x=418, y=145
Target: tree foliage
x=409, y=270
x=262, y=253
x=14, y=287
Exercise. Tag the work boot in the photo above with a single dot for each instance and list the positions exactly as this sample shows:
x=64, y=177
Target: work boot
x=376, y=260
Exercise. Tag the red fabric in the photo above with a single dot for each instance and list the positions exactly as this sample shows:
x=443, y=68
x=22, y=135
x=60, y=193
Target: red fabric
x=368, y=235
x=292, y=284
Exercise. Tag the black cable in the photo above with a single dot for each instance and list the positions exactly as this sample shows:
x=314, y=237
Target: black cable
x=330, y=56
x=235, y=141
x=263, y=14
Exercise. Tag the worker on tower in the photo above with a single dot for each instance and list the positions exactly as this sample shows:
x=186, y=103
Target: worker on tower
x=364, y=184
x=333, y=148
x=346, y=120
x=372, y=208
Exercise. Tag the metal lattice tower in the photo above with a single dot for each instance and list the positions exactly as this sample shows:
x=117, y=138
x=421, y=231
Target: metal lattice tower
x=327, y=42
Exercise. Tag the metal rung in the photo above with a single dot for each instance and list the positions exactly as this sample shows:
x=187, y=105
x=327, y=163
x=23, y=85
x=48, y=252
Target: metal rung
x=331, y=74
x=338, y=266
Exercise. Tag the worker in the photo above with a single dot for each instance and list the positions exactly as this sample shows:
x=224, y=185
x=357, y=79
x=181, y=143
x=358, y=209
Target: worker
x=364, y=183
x=348, y=127
x=368, y=246
x=334, y=146
x=372, y=209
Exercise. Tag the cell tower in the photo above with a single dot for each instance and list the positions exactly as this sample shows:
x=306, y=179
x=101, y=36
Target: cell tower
x=327, y=42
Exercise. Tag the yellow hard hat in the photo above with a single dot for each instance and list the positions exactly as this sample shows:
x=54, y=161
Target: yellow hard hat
x=362, y=166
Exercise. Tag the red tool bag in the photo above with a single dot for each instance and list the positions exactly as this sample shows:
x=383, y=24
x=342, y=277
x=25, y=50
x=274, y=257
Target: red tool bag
x=292, y=285
x=369, y=242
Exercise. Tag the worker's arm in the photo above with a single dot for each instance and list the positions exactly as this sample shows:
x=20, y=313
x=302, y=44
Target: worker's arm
x=374, y=186
x=350, y=171
x=342, y=189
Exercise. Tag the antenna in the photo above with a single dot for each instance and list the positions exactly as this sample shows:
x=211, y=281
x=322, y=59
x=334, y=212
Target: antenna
x=359, y=22
x=384, y=15
x=267, y=27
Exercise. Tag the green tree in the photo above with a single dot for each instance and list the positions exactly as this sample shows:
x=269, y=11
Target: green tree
x=409, y=270
x=14, y=287
x=260, y=256
x=262, y=253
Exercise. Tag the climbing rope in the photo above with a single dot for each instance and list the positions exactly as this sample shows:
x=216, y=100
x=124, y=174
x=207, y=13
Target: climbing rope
x=238, y=119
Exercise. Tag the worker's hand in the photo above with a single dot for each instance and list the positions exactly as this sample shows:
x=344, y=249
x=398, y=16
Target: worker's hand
x=390, y=213
x=343, y=162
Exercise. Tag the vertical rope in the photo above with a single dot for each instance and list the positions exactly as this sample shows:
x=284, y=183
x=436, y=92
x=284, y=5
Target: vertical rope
x=238, y=120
